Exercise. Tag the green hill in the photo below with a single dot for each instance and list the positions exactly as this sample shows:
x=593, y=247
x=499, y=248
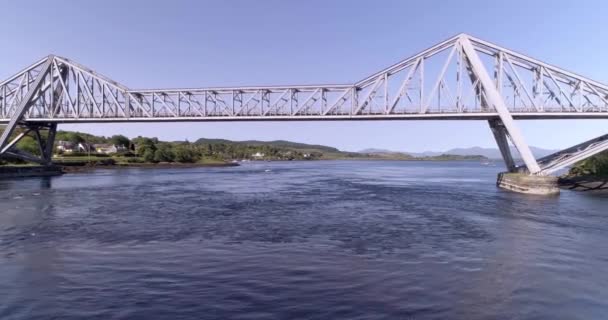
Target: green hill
x=275, y=143
x=151, y=150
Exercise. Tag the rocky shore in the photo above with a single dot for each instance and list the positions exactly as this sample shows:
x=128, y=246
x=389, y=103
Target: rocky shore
x=584, y=183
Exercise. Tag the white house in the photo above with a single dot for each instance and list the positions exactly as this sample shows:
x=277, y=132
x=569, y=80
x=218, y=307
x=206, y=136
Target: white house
x=109, y=148
x=258, y=155
x=69, y=147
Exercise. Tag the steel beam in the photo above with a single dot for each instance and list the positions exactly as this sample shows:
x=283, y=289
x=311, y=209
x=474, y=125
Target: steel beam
x=98, y=97
x=25, y=104
x=49, y=144
x=13, y=142
x=494, y=98
x=567, y=157
x=501, y=136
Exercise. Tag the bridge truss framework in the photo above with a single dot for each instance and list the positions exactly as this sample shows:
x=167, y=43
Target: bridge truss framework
x=462, y=78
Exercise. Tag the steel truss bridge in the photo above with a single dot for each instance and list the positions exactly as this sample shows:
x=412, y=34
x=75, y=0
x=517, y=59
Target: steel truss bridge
x=462, y=78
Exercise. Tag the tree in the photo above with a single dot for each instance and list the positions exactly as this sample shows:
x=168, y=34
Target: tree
x=148, y=155
x=75, y=138
x=596, y=165
x=184, y=154
x=29, y=144
x=144, y=144
x=120, y=140
x=164, y=153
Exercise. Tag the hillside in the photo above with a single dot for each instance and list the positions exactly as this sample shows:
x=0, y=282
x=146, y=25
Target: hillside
x=274, y=143
x=491, y=153
x=404, y=156
x=152, y=150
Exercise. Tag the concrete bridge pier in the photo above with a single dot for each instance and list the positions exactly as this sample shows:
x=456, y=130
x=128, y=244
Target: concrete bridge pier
x=538, y=177
x=520, y=179
x=528, y=184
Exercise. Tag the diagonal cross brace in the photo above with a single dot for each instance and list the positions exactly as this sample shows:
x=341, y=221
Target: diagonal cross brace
x=494, y=98
x=25, y=104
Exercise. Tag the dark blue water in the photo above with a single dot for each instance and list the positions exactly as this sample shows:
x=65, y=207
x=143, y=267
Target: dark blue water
x=299, y=240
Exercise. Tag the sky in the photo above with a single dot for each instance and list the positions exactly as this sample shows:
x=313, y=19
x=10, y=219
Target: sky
x=179, y=43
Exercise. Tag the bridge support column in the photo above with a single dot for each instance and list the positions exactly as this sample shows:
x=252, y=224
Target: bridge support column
x=494, y=99
x=520, y=182
x=503, y=127
x=45, y=143
x=501, y=137
x=10, y=137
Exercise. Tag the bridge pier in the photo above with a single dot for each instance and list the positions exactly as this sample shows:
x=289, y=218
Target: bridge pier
x=520, y=179
x=18, y=127
x=528, y=184
x=45, y=143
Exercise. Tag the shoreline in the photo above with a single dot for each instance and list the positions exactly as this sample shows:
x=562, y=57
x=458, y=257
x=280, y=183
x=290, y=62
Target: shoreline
x=397, y=159
x=57, y=169
x=26, y=171
x=167, y=165
x=584, y=183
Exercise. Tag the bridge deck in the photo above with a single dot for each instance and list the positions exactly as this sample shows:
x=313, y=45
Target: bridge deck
x=362, y=117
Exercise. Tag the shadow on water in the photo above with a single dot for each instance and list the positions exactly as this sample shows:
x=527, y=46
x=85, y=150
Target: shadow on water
x=46, y=182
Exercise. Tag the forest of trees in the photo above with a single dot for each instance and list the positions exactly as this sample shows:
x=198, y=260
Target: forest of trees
x=152, y=150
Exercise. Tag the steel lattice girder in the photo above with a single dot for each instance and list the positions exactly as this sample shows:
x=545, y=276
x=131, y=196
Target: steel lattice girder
x=447, y=81
x=433, y=84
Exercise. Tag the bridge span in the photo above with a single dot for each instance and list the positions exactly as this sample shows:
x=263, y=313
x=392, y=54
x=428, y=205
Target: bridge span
x=461, y=78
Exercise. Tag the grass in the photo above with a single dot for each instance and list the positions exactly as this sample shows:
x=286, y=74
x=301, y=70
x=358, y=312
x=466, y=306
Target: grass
x=20, y=165
x=79, y=158
x=210, y=161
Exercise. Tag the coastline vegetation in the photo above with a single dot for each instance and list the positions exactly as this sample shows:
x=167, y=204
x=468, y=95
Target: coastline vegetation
x=144, y=151
x=593, y=166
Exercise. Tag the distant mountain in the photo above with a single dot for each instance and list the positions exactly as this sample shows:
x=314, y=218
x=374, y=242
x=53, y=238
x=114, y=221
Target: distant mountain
x=276, y=143
x=494, y=153
x=491, y=153
x=377, y=151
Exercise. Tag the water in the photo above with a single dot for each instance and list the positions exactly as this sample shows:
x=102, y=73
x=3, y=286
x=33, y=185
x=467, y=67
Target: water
x=299, y=240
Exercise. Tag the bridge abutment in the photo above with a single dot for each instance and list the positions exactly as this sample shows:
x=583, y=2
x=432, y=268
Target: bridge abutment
x=528, y=184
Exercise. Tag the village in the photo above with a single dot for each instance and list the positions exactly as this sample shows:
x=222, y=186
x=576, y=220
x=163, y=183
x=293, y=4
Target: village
x=70, y=148
x=67, y=147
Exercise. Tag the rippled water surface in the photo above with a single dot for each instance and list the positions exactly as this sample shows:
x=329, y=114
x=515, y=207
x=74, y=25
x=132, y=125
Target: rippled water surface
x=299, y=240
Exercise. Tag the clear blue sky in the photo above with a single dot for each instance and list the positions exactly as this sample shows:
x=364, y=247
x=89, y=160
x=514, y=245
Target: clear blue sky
x=149, y=44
